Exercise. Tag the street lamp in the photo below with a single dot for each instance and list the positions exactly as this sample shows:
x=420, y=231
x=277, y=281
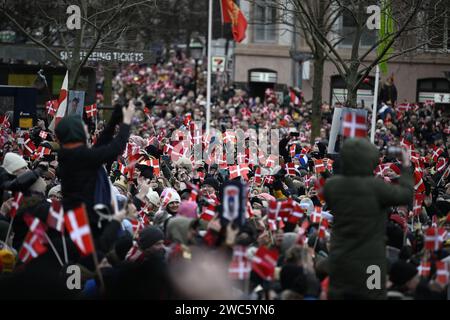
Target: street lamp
x=196, y=49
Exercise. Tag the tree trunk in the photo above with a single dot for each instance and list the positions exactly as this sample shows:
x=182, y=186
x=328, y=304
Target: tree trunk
x=319, y=62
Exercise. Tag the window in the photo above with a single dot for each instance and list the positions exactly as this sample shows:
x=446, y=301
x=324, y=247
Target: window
x=264, y=22
x=348, y=30
x=438, y=28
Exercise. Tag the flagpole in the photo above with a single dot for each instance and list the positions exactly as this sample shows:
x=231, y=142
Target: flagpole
x=54, y=249
x=375, y=104
x=63, y=238
x=208, y=85
x=9, y=230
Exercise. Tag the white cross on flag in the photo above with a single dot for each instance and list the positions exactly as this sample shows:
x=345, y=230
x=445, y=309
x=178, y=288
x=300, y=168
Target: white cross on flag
x=91, y=110
x=442, y=163
x=239, y=171
x=43, y=134
x=437, y=152
x=32, y=247
x=41, y=152
x=424, y=269
x=442, y=273
x=240, y=265
x=35, y=225
x=77, y=224
x=354, y=125
x=291, y=170
x=51, y=107
x=319, y=166
x=55, y=218
x=28, y=147
x=434, y=238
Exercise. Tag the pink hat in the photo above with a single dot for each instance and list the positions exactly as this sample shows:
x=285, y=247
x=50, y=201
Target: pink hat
x=188, y=209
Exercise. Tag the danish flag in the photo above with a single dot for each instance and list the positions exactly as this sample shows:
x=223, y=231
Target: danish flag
x=437, y=152
x=270, y=161
x=291, y=169
x=354, y=125
x=442, y=273
x=91, y=110
x=51, y=107
x=292, y=150
x=194, y=191
x=417, y=206
x=404, y=107
x=442, y=163
x=35, y=225
x=41, y=152
x=240, y=266
x=43, y=134
x=229, y=137
x=419, y=186
x=319, y=166
x=297, y=213
x=239, y=171
x=264, y=262
x=316, y=215
x=268, y=180
x=257, y=178
x=32, y=247
x=323, y=228
x=28, y=147
x=434, y=238
x=424, y=269
x=77, y=224
x=208, y=212
x=18, y=197
x=55, y=218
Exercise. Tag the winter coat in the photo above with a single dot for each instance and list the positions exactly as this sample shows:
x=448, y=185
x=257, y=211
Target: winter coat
x=79, y=167
x=359, y=203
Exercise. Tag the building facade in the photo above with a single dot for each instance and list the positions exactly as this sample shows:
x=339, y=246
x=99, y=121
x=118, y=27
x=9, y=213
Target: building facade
x=266, y=59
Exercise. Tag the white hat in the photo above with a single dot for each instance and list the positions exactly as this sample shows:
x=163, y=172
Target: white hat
x=153, y=197
x=13, y=162
x=307, y=204
x=55, y=191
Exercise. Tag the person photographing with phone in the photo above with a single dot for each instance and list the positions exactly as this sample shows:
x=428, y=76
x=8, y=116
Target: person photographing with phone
x=79, y=164
x=359, y=203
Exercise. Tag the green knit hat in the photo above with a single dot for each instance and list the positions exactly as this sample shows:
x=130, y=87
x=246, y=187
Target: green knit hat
x=70, y=129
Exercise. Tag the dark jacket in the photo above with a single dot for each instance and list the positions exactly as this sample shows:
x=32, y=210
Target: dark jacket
x=79, y=167
x=359, y=202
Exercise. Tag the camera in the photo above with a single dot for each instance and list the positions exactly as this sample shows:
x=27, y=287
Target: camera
x=395, y=151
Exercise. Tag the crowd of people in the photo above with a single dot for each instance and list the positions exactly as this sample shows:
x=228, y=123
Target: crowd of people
x=155, y=213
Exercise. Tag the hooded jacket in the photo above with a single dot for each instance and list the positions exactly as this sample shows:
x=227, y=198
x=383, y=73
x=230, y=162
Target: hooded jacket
x=359, y=203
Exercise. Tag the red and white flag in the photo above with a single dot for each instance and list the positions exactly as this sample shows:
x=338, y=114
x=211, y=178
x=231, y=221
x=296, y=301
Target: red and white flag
x=41, y=152
x=316, y=215
x=28, y=147
x=323, y=228
x=271, y=161
x=442, y=273
x=239, y=171
x=91, y=110
x=297, y=213
x=417, y=204
x=62, y=103
x=35, y=225
x=437, y=152
x=434, y=238
x=291, y=170
x=240, y=266
x=292, y=150
x=208, y=212
x=77, y=224
x=43, y=134
x=18, y=197
x=441, y=164
x=294, y=97
x=419, y=185
x=51, y=107
x=55, y=218
x=264, y=262
x=424, y=269
x=354, y=125
x=319, y=166
x=32, y=247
